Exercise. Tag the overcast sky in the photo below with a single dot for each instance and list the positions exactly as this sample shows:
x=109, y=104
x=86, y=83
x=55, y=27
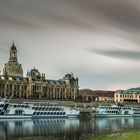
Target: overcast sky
x=97, y=40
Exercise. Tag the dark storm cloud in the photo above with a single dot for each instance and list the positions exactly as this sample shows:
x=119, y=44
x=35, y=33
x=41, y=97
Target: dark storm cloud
x=120, y=53
x=119, y=13
x=4, y=20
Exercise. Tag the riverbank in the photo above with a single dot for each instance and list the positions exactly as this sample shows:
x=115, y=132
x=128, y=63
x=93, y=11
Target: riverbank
x=130, y=135
x=119, y=136
x=127, y=135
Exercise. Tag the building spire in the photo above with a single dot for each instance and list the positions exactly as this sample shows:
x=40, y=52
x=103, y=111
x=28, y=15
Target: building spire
x=13, y=43
x=13, y=52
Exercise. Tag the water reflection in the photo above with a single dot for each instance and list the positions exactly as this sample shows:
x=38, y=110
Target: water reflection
x=71, y=129
x=103, y=125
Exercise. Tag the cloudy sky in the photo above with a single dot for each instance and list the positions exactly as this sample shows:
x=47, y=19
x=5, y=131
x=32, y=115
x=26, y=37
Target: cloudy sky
x=97, y=40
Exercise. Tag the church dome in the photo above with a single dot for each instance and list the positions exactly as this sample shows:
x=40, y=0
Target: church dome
x=13, y=68
x=34, y=72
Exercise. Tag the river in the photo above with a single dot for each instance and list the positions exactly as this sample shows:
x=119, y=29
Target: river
x=64, y=129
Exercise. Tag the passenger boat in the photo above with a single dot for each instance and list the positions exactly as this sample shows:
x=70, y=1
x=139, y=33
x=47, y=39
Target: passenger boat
x=30, y=110
x=115, y=111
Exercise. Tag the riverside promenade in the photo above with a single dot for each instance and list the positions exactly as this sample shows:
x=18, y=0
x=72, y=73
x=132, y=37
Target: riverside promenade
x=62, y=102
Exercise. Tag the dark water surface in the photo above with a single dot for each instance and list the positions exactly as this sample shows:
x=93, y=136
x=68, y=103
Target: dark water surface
x=64, y=129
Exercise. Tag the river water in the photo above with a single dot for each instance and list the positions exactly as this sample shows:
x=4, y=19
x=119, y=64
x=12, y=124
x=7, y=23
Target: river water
x=65, y=129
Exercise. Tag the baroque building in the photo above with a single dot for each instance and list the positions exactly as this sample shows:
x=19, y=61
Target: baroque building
x=34, y=84
x=129, y=95
x=13, y=68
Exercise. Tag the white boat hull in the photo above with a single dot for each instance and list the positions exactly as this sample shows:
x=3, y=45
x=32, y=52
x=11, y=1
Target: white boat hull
x=15, y=117
x=111, y=115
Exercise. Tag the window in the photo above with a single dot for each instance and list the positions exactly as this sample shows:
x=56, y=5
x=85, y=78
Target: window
x=10, y=86
x=18, y=87
x=1, y=105
x=3, y=86
x=46, y=109
x=36, y=108
x=34, y=113
x=25, y=87
x=43, y=109
x=38, y=113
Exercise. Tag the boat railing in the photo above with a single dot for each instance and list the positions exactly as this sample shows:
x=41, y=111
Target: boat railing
x=39, y=103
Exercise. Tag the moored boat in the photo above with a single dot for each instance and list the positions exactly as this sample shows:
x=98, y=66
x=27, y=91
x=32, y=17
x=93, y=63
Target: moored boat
x=30, y=110
x=114, y=111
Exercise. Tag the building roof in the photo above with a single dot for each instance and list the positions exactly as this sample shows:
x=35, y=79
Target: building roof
x=55, y=82
x=13, y=78
x=129, y=91
x=103, y=93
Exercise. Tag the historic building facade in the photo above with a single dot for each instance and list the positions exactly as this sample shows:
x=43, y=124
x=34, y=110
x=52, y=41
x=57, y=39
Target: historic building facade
x=96, y=95
x=34, y=85
x=130, y=95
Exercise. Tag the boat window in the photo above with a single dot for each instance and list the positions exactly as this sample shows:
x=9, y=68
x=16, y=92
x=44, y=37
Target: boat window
x=40, y=108
x=38, y=113
x=41, y=113
x=51, y=113
x=48, y=113
x=57, y=113
x=43, y=109
x=18, y=112
x=22, y=106
x=36, y=108
x=34, y=113
x=46, y=109
x=15, y=106
x=26, y=106
x=50, y=109
x=1, y=105
x=64, y=113
x=60, y=113
x=53, y=109
x=54, y=113
x=45, y=113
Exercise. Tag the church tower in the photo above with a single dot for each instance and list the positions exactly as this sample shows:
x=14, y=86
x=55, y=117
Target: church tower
x=13, y=68
x=13, y=53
